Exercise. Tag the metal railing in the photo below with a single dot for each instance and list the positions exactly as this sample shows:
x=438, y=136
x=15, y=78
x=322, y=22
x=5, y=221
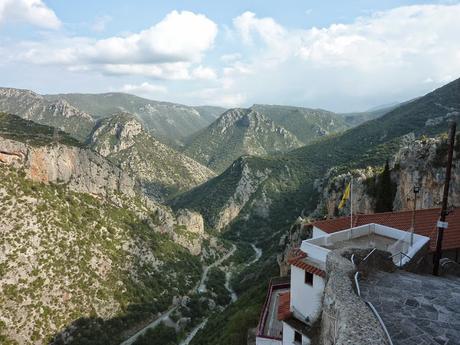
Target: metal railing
x=370, y=253
x=401, y=254
x=380, y=321
x=371, y=306
x=358, y=290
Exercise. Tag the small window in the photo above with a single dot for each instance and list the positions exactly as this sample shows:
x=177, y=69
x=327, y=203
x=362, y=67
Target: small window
x=308, y=278
x=297, y=337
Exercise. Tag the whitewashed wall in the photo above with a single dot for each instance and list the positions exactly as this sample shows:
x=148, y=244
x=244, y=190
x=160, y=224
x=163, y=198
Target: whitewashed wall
x=288, y=336
x=266, y=341
x=305, y=298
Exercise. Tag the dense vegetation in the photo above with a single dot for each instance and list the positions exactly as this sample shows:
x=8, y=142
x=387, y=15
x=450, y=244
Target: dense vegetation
x=235, y=133
x=160, y=335
x=216, y=285
x=15, y=128
x=306, y=124
x=107, y=260
x=385, y=191
x=290, y=189
x=290, y=181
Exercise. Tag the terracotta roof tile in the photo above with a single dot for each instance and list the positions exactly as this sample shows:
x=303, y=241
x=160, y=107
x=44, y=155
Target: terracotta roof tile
x=425, y=224
x=284, y=305
x=300, y=263
x=296, y=253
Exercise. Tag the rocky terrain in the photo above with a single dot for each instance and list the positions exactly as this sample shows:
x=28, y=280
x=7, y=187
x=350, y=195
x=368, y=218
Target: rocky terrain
x=170, y=123
x=305, y=123
x=419, y=163
x=239, y=132
x=78, y=240
x=289, y=189
x=161, y=170
x=57, y=113
x=84, y=254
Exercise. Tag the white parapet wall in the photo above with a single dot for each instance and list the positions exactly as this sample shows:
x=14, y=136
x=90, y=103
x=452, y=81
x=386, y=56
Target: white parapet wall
x=267, y=341
x=316, y=247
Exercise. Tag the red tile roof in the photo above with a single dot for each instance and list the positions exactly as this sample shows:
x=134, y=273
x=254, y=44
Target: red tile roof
x=296, y=257
x=307, y=267
x=296, y=253
x=284, y=305
x=425, y=224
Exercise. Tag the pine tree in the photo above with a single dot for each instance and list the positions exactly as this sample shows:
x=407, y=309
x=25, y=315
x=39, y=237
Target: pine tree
x=385, y=191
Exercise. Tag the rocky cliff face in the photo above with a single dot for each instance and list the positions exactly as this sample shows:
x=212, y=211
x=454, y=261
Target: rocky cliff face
x=82, y=170
x=193, y=233
x=193, y=221
x=418, y=162
x=239, y=132
x=161, y=170
x=78, y=239
x=57, y=113
x=246, y=186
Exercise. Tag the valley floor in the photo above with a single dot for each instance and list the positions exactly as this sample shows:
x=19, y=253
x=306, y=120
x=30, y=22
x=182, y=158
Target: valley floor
x=201, y=288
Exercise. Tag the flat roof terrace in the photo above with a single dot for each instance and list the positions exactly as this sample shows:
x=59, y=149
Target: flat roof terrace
x=371, y=240
x=392, y=240
x=416, y=309
x=270, y=326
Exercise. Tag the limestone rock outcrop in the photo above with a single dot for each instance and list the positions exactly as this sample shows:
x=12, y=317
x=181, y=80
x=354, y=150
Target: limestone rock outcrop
x=82, y=170
x=418, y=162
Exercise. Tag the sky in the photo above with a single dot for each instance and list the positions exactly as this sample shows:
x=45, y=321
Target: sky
x=339, y=55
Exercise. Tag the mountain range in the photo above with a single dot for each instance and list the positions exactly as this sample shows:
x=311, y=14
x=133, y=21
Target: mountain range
x=239, y=132
x=261, y=193
x=114, y=206
x=260, y=199
x=168, y=122
x=57, y=113
x=161, y=170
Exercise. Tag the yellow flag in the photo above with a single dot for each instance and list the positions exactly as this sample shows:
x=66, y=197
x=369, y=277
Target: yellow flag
x=345, y=197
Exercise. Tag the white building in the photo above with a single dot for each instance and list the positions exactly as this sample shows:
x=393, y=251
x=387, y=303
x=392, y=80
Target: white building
x=293, y=306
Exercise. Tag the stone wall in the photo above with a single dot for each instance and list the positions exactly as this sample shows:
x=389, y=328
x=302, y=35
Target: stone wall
x=346, y=319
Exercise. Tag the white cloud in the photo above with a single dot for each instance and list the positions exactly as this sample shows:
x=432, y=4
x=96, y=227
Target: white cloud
x=100, y=23
x=376, y=59
x=202, y=72
x=33, y=12
x=219, y=97
x=144, y=89
x=180, y=36
x=382, y=57
x=166, y=50
x=170, y=71
x=267, y=28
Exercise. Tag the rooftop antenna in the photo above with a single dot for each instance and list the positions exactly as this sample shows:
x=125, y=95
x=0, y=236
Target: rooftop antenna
x=442, y=224
x=412, y=228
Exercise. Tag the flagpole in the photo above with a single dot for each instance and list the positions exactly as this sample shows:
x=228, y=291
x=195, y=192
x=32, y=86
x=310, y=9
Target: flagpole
x=351, y=203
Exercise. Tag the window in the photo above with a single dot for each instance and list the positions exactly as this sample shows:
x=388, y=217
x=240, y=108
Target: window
x=297, y=337
x=308, y=278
